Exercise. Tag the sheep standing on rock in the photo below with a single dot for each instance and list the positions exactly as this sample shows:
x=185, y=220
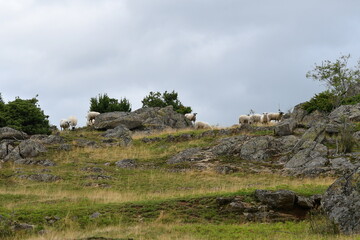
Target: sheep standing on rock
x=191, y=116
x=202, y=125
x=91, y=118
x=264, y=118
x=244, y=119
x=64, y=124
x=73, y=122
x=275, y=116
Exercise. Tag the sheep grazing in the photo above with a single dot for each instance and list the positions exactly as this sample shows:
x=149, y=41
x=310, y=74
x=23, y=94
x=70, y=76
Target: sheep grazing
x=191, y=116
x=275, y=116
x=202, y=125
x=264, y=118
x=91, y=118
x=64, y=124
x=73, y=122
x=244, y=119
x=255, y=118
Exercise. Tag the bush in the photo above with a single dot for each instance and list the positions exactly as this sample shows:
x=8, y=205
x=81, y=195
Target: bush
x=346, y=139
x=103, y=103
x=156, y=99
x=24, y=115
x=324, y=102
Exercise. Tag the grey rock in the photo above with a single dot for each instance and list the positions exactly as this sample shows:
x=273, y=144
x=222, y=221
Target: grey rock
x=86, y=143
x=305, y=202
x=48, y=139
x=5, y=148
x=30, y=148
x=120, y=132
x=225, y=169
x=259, y=148
x=65, y=147
x=341, y=202
x=126, y=163
x=352, y=112
x=190, y=155
x=285, y=127
x=22, y=226
x=143, y=118
x=311, y=154
x=281, y=199
x=342, y=164
x=10, y=133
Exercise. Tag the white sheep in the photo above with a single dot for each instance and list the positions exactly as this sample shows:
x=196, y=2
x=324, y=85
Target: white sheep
x=191, y=116
x=91, y=116
x=202, y=125
x=244, y=119
x=275, y=116
x=255, y=118
x=264, y=118
x=73, y=122
x=64, y=124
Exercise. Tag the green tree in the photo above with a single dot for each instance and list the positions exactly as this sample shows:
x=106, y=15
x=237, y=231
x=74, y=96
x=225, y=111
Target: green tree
x=2, y=114
x=26, y=115
x=338, y=76
x=103, y=103
x=156, y=99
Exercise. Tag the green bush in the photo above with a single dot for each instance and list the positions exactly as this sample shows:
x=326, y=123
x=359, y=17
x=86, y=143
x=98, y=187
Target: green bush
x=324, y=102
x=166, y=99
x=103, y=103
x=24, y=115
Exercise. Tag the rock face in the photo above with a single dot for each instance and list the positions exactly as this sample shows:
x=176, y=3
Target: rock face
x=26, y=149
x=352, y=112
x=285, y=128
x=9, y=133
x=148, y=118
x=341, y=202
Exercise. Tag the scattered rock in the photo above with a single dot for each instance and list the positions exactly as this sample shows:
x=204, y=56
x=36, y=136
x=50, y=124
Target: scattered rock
x=22, y=226
x=282, y=199
x=30, y=161
x=41, y=177
x=95, y=215
x=126, y=163
x=225, y=169
x=120, y=132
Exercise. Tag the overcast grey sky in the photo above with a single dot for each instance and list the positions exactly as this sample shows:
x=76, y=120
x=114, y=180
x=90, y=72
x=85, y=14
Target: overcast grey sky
x=222, y=57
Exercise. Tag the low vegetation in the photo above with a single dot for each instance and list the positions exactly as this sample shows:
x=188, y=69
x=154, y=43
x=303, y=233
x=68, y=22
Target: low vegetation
x=95, y=198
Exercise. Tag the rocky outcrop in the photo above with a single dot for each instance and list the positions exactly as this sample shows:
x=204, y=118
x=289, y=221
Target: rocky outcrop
x=341, y=202
x=26, y=149
x=126, y=163
x=285, y=128
x=9, y=133
x=351, y=112
x=143, y=118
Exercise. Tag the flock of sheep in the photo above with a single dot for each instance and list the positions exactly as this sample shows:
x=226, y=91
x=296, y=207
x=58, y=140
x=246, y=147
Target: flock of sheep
x=71, y=122
x=264, y=118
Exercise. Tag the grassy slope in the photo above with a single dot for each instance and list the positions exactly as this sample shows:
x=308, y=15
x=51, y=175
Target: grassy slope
x=150, y=202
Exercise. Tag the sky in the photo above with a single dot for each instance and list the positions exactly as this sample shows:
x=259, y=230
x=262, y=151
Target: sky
x=223, y=57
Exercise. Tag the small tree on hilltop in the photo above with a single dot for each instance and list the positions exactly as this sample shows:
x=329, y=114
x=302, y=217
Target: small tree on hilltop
x=26, y=115
x=156, y=99
x=338, y=77
x=103, y=103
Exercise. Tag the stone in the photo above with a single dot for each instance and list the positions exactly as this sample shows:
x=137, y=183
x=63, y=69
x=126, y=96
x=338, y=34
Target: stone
x=31, y=148
x=341, y=202
x=10, y=133
x=259, y=148
x=305, y=202
x=281, y=199
x=285, y=127
x=190, y=155
x=126, y=163
x=352, y=112
x=225, y=169
x=95, y=215
x=41, y=177
x=120, y=132
x=30, y=161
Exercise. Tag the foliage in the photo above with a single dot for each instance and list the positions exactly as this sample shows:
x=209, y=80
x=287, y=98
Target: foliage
x=323, y=102
x=24, y=115
x=338, y=77
x=156, y=99
x=103, y=103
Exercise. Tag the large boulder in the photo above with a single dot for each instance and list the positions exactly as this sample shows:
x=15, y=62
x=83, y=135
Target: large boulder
x=282, y=199
x=341, y=203
x=352, y=112
x=26, y=149
x=10, y=133
x=143, y=118
x=285, y=128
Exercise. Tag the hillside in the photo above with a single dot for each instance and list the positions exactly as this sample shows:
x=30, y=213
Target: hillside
x=246, y=182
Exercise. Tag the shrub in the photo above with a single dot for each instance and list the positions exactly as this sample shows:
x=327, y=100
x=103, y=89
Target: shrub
x=324, y=102
x=103, y=103
x=156, y=99
x=24, y=115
